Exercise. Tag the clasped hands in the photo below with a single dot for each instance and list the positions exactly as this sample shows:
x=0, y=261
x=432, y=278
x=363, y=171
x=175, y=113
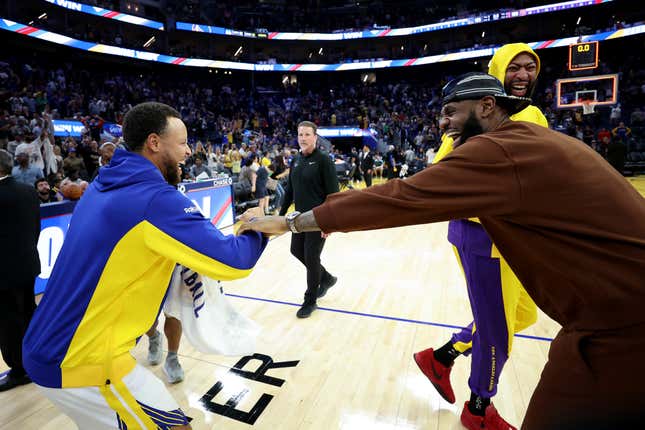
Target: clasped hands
x=255, y=220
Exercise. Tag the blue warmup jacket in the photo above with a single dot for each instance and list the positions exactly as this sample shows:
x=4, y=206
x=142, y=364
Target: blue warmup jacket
x=108, y=284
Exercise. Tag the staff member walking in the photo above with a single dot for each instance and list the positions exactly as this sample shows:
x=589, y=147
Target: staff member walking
x=312, y=178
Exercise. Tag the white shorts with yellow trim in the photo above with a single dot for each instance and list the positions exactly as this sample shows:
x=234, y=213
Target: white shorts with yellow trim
x=139, y=401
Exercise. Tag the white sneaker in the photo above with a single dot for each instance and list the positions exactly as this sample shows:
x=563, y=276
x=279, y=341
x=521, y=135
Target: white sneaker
x=173, y=370
x=155, y=352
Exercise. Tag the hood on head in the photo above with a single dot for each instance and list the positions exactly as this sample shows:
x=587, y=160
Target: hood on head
x=502, y=58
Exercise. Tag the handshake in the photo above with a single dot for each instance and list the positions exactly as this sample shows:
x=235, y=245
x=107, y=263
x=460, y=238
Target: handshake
x=255, y=220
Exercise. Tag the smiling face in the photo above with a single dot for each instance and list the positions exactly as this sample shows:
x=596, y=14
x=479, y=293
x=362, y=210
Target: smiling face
x=459, y=121
x=306, y=139
x=521, y=74
x=173, y=150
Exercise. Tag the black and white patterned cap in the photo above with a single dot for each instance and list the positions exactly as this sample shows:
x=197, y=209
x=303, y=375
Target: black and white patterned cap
x=475, y=85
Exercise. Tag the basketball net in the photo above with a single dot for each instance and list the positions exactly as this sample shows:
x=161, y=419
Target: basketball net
x=588, y=107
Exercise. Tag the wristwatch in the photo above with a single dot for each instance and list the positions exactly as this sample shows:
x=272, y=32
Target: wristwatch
x=291, y=221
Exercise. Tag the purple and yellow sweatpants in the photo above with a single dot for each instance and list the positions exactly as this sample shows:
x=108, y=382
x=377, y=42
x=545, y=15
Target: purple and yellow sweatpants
x=500, y=305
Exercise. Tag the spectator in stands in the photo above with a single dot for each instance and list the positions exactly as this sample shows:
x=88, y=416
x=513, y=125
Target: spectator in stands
x=34, y=149
x=199, y=168
x=19, y=266
x=90, y=155
x=94, y=124
x=215, y=160
x=236, y=163
x=391, y=163
x=13, y=144
x=23, y=172
x=261, y=191
x=55, y=180
x=45, y=193
x=621, y=132
x=73, y=164
x=430, y=153
x=604, y=139
x=247, y=176
x=106, y=151
x=312, y=178
x=378, y=165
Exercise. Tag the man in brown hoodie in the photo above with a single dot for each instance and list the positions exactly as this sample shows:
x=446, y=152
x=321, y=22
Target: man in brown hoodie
x=571, y=228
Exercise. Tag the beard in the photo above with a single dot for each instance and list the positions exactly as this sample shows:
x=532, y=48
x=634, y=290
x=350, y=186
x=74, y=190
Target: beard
x=171, y=172
x=472, y=127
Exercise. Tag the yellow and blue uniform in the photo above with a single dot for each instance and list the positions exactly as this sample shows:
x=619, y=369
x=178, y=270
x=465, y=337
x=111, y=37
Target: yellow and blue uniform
x=111, y=276
x=500, y=305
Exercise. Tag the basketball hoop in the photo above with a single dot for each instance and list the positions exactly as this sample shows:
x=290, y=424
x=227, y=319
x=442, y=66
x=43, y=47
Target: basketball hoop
x=588, y=107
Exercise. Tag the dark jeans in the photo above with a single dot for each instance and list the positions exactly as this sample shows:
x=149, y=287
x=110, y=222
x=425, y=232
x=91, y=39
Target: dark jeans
x=307, y=248
x=16, y=309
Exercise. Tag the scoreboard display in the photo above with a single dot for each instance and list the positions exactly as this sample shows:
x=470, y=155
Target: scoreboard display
x=583, y=56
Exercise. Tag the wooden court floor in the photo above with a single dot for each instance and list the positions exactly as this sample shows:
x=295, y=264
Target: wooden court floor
x=350, y=365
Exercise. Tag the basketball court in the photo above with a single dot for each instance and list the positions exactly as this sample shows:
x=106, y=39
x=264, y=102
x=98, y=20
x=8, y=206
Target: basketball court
x=349, y=366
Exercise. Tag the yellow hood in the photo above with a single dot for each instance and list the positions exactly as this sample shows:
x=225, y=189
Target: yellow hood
x=503, y=56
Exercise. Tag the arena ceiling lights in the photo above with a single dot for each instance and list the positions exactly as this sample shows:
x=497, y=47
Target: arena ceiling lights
x=341, y=35
x=60, y=39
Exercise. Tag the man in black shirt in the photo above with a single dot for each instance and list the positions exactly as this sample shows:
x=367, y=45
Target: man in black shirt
x=367, y=165
x=312, y=178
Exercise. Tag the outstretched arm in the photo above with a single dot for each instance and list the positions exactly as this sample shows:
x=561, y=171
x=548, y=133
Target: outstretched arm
x=278, y=224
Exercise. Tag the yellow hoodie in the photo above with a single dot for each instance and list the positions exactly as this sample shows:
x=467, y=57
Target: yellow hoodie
x=497, y=67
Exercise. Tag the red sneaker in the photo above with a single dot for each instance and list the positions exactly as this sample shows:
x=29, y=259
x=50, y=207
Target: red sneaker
x=492, y=420
x=436, y=372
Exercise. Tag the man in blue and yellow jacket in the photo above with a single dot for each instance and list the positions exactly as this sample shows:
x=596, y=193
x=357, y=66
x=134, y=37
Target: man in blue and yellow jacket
x=500, y=305
x=127, y=233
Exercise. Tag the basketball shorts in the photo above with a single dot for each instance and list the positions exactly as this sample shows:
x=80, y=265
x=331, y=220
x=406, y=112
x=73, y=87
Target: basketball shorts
x=139, y=401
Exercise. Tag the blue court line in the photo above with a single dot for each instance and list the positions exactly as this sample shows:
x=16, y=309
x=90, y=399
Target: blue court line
x=384, y=317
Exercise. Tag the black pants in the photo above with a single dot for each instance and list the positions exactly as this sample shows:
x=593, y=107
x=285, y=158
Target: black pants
x=368, y=179
x=17, y=306
x=307, y=248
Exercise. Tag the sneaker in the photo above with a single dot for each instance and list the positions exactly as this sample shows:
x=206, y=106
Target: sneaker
x=306, y=310
x=492, y=420
x=173, y=370
x=154, y=349
x=10, y=381
x=324, y=286
x=436, y=372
